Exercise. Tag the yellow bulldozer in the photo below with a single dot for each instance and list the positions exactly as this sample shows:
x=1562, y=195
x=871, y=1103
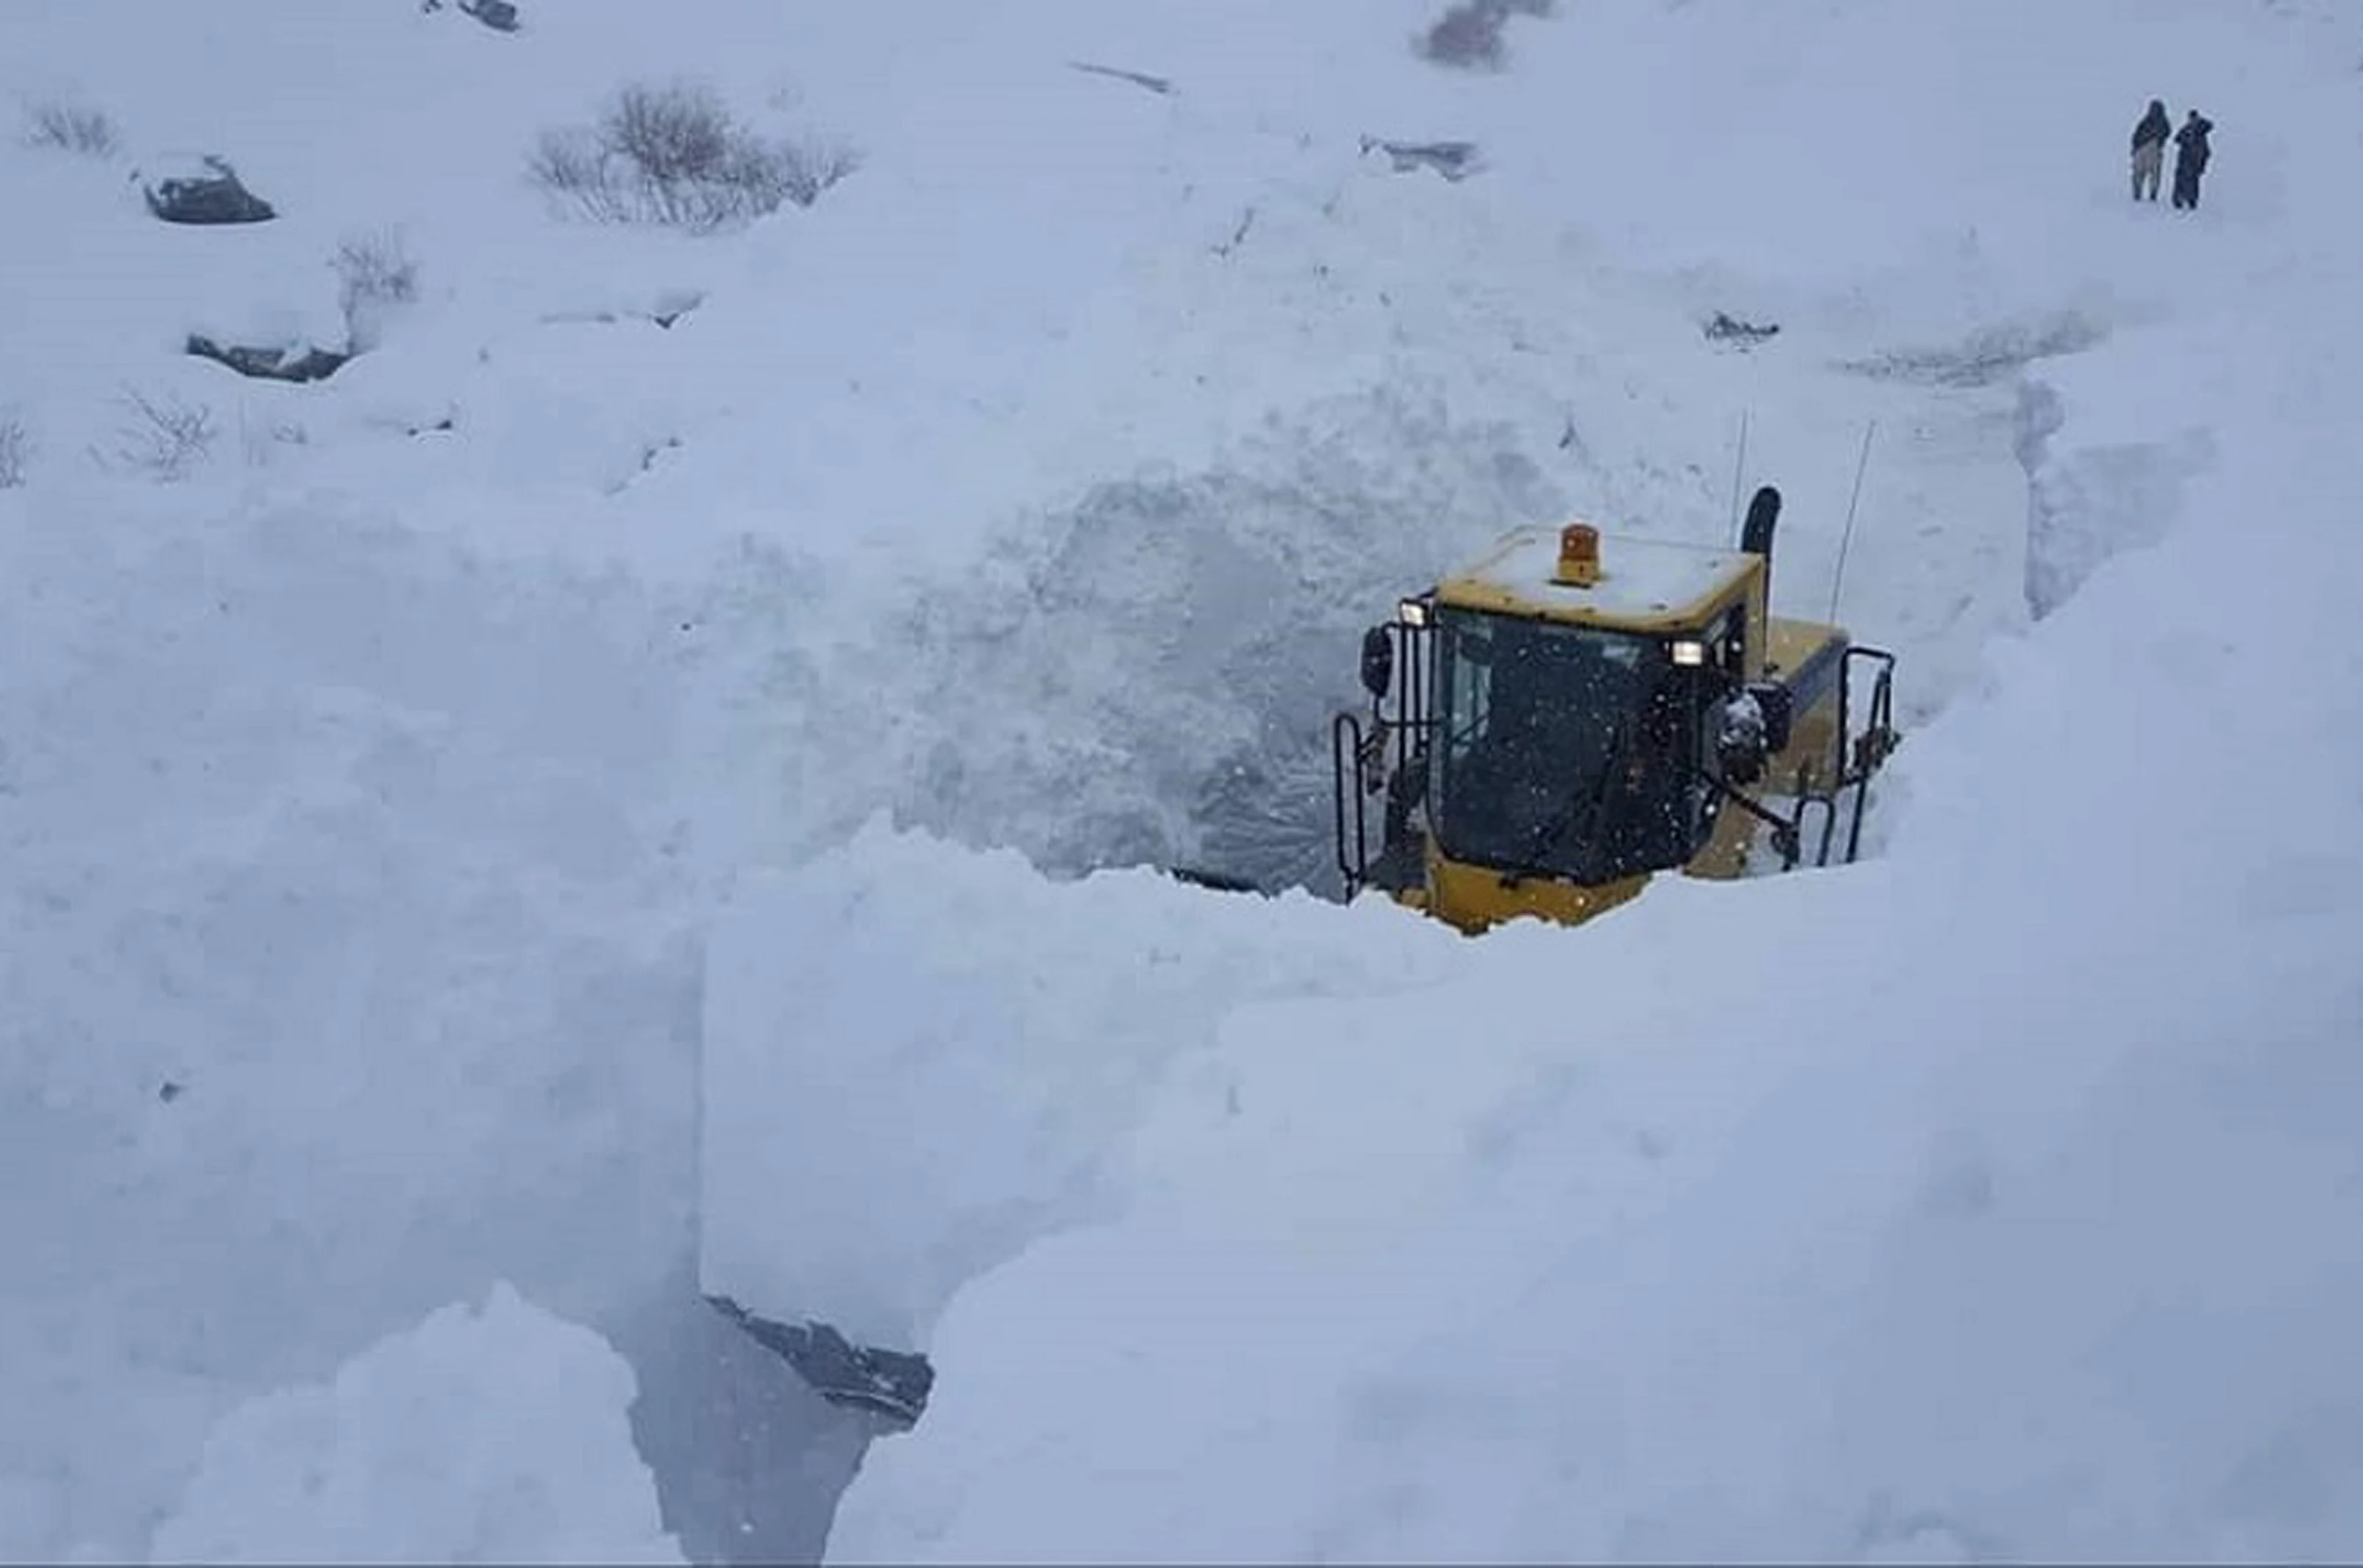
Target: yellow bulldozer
x=1573, y=713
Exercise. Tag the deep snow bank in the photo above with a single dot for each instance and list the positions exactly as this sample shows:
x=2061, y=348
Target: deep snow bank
x=918, y=1059
x=1957, y=1205
x=496, y=1435
x=344, y=965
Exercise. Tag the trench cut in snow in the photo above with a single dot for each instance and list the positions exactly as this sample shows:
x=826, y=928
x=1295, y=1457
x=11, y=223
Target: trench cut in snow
x=2039, y=1191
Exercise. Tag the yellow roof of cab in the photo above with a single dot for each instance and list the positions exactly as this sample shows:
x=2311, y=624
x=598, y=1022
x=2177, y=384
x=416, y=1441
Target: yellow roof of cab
x=1646, y=585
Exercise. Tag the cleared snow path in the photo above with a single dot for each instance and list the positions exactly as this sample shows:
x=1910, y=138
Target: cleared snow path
x=1142, y=672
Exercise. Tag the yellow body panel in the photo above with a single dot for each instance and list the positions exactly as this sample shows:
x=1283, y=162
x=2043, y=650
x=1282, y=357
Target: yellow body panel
x=1792, y=644
x=1725, y=855
x=1793, y=647
x=1476, y=897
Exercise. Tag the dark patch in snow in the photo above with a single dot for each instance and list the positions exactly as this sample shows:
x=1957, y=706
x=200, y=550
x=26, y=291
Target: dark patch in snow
x=498, y=15
x=1239, y=235
x=1724, y=328
x=217, y=196
x=649, y=452
x=1986, y=356
x=1161, y=86
x=312, y=364
x=1454, y=160
x=1468, y=36
x=748, y=1460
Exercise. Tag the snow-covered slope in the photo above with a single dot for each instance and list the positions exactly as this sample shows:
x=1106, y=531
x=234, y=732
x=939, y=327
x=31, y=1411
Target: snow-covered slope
x=370, y=782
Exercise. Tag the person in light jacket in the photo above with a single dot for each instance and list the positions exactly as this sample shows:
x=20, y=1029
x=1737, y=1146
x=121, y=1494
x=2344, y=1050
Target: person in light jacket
x=2149, y=150
x=2191, y=153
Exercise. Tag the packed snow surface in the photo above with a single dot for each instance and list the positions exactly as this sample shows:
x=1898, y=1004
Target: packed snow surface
x=592, y=801
x=491, y=1435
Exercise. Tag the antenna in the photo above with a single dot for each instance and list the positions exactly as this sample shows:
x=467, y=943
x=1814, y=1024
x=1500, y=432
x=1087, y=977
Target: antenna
x=1739, y=465
x=1846, y=539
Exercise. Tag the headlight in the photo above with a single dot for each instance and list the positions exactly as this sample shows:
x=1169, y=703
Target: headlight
x=1412, y=613
x=1689, y=653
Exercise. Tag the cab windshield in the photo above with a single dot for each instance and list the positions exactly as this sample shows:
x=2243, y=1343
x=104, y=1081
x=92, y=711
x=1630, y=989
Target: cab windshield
x=1567, y=751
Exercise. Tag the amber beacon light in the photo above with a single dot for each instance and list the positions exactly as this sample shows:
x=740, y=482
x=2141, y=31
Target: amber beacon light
x=1578, y=556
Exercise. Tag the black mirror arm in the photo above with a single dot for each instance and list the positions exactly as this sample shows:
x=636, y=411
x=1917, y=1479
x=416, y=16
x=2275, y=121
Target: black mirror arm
x=1784, y=831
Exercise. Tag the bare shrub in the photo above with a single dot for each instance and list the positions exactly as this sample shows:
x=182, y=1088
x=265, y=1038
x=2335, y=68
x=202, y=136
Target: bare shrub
x=806, y=169
x=673, y=135
x=675, y=155
x=15, y=451
x=576, y=167
x=375, y=274
x=377, y=265
x=1468, y=36
x=72, y=127
x=164, y=438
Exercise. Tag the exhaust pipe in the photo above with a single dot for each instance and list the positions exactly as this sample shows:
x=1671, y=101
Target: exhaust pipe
x=1756, y=535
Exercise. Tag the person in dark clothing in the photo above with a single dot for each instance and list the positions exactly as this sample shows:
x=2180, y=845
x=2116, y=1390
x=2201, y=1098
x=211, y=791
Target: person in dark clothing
x=2149, y=150
x=2191, y=154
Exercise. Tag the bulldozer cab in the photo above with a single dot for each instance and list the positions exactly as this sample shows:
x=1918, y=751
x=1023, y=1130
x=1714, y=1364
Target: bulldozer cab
x=1566, y=751
x=1569, y=716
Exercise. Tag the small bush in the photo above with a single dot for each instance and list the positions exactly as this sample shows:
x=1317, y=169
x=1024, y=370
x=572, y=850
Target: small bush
x=375, y=274
x=16, y=452
x=672, y=136
x=1468, y=36
x=795, y=171
x=675, y=155
x=163, y=440
x=572, y=166
x=72, y=127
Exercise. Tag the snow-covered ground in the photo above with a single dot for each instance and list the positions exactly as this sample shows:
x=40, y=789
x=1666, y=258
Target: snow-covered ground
x=588, y=800
x=494, y=1436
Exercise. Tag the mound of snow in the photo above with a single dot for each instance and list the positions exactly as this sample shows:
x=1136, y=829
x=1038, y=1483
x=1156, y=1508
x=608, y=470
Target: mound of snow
x=918, y=1059
x=498, y=1434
